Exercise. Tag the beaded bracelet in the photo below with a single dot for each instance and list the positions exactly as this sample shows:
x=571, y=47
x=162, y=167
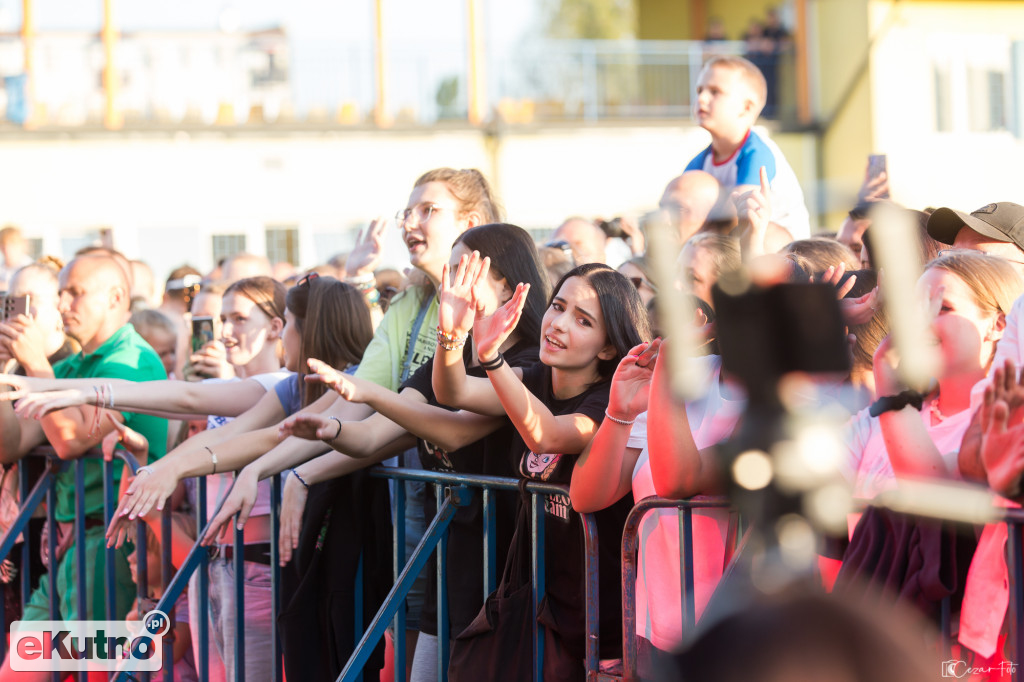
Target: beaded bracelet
x=296, y=474
x=619, y=421
x=449, y=341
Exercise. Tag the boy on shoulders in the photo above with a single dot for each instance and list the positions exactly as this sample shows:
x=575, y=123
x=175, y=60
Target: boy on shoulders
x=731, y=92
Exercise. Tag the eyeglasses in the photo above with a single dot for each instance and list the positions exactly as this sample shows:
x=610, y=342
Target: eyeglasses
x=307, y=279
x=640, y=282
x=423, y=212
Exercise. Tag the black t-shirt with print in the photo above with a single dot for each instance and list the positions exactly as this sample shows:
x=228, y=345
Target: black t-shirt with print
x=488, y=456
x=563, y=533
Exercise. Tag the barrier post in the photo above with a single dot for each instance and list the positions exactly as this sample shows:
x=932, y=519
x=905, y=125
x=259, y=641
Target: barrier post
x=239, y=561
x=204, y=588
x=81, y=582
x=1015, y=554
x=398, y=639
x=441, y=553
x=490, y=543
x=166, y=575
x=26, y=545
x=537, y=576
x=275, y=572
x=109, y=506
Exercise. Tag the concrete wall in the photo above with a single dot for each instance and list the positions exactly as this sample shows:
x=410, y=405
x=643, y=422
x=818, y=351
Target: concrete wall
x=961, y=168
x=165, y=196
x=841, y=99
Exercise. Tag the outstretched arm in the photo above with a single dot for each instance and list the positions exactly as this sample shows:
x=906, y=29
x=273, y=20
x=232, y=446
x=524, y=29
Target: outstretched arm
x=678, y=468
x=540, y=429
x=603, y=473
x=175, y=399
x=405, y=411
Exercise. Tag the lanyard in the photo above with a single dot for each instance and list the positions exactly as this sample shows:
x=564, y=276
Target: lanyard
x=407, y=365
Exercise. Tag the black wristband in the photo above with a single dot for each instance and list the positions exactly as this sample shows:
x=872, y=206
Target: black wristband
x=493, y=364
x=893, y=403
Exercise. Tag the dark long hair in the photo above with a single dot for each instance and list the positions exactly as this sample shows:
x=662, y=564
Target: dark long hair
x=625, y=319
x=334, y=324
x=513, y=256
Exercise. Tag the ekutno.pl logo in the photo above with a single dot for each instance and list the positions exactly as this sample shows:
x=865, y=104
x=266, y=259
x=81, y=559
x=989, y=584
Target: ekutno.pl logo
x=73, y=645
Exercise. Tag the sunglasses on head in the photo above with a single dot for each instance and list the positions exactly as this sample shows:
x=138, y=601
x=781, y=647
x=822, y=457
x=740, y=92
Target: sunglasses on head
x=640, y=282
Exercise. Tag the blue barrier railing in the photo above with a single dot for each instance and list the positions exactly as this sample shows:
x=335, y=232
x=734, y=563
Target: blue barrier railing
x=45, y=487
x=454, y=490
x=630, y=544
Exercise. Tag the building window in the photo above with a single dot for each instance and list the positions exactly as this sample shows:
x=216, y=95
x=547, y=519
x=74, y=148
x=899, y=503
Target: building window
x=227, y=245
x=35, y=247
x=283, y=244
x=943, y=100
x=972, y=83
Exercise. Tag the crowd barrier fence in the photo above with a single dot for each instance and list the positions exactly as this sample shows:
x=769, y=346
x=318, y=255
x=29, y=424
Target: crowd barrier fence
x=452, y=492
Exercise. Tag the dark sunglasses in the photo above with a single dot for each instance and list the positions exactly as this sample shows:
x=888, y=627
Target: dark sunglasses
x=640, y=281
x=307, y=279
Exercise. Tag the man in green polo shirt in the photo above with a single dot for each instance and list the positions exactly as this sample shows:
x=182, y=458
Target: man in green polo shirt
x=94, y=305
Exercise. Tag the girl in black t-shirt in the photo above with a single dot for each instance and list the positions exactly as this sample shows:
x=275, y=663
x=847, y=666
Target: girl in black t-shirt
x=491, y=259
x=594, y=318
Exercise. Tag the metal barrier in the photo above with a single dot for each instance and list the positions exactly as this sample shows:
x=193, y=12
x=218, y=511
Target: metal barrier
x=45, y=487
x=630, y=545
x=454, y=490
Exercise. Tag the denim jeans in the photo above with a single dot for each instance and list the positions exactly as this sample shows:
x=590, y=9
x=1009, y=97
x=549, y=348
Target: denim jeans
x=259, y=628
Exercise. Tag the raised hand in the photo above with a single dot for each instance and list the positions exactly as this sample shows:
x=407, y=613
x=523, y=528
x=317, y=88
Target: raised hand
x=308, y=426
x=490, y=331
x=133, y=441
x=885, y=364
x=631, y=382
x=364, y=257
x=239, y=501
x=211, y=361
x=293, y=505
x=1002, y=438
x=834, y=276
x=25, y=341
x=755, y=208
x=38, y=405
x=152, y=487
x=347, y=386
x=874, y=188
x=457, y=303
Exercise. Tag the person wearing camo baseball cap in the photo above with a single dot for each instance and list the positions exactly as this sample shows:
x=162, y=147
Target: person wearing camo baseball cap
x=997, y=229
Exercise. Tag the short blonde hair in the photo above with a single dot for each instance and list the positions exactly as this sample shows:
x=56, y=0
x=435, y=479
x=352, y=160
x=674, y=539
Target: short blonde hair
x=993, y=282
x=750, y=74
x=723, y=249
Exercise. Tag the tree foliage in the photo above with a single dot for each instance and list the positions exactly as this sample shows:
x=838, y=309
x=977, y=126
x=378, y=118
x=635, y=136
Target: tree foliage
x=590, y=19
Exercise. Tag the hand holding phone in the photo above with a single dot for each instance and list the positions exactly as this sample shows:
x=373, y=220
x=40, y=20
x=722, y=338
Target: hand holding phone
x=15, y=305
x=876, y=181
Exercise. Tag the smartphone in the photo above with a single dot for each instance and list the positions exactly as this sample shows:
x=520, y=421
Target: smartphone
x=876, y=166
x=15, y=305
x=202, y=332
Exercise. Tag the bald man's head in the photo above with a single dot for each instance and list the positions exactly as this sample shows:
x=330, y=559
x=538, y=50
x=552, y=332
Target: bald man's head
x=689, y=200
x=95, y=294
x=586, y=239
